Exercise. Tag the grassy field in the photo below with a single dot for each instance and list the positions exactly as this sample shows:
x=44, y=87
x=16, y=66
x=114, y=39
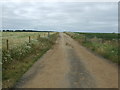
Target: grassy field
x=19, y=38
x=18, y=59
x=104, y=44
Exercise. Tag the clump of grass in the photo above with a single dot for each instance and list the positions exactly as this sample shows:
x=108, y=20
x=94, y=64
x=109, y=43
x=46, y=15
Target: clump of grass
x=17, y=61
x=107, y=51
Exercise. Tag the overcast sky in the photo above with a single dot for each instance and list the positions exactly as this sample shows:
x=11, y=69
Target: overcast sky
x=61, y=16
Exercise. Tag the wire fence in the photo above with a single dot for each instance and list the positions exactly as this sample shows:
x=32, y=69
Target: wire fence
x=15, y=39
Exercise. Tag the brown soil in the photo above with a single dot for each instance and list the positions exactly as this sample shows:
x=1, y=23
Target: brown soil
x=70, y=65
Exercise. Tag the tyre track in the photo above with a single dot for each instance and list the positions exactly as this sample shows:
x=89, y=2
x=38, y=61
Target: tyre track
x=69, y=65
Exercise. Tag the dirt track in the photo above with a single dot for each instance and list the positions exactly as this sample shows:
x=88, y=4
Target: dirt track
x=70, y=65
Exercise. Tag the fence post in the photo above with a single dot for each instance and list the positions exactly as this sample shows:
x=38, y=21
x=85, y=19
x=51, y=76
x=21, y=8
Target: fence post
x=48, y=34
x=7, y=44
x=29, y=39
x=38, y=37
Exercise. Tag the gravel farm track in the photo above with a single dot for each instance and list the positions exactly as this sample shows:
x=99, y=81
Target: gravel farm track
x=70, y=65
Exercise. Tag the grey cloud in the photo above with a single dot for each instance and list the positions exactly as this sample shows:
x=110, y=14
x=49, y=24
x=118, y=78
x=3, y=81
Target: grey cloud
x=70, y=16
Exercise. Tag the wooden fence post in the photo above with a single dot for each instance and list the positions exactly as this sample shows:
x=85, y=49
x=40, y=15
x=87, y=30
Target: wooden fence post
x=38, y=37
x=7, y=44
x=29, y=39
x=48, y=34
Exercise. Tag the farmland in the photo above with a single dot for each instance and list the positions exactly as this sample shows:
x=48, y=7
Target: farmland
x=104, y=44
x=19, y=38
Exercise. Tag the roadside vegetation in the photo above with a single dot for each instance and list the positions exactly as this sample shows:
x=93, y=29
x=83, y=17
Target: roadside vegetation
x=104, y=44
x=18, y=59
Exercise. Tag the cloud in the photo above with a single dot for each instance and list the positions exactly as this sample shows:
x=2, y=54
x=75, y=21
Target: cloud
x=60, y=16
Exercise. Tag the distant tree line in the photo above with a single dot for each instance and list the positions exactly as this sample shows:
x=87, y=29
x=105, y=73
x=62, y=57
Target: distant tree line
x=24, y=31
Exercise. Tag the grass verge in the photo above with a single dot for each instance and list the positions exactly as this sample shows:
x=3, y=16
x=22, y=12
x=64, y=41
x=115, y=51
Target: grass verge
x=107, y=49
x=17, y=61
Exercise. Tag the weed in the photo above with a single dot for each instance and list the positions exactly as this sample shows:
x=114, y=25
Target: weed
x=18, y=60
x=108, y=48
